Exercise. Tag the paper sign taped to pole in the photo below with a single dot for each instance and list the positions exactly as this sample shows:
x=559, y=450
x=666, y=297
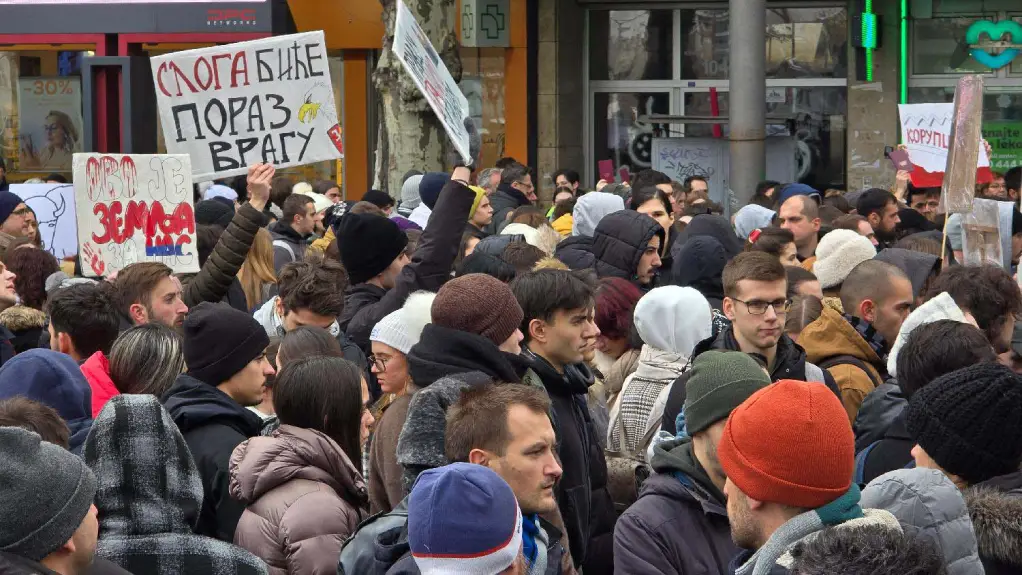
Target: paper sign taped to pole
x=414, y=50
x=230, y=106
x=926, y=134
x=981, y=234
x=134, y=208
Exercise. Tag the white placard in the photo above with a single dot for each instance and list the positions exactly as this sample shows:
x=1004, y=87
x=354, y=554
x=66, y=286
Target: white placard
x=134, y=208
x=926, y=132
x=230, y=106
x=413, y=49
x=54, y=208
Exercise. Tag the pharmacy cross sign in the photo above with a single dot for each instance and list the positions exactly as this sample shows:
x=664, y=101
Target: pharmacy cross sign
x=493, y=21
x=995, y=31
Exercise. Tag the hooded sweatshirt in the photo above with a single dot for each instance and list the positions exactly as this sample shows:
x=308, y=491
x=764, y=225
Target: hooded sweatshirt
x=679, y=524
x=916, y=265
x=717, y=227
x=590, y=209
x=752, y=217
x=671, y=320
x=304, y=496
x=212, y=424
x=150, y=494
x=409, y=196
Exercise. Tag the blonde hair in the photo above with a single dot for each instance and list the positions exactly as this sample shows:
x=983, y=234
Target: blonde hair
x=257, y=269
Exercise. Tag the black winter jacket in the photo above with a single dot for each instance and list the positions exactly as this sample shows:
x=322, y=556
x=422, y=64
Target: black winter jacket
x=916, y=265
x=366, y=304
x=582, y=495
x=619, y=242
x=212, y=424
x=789, y=363
x=220, y=272
x=679, y=524
x=714, y=226
x=878, y=411
x=442, y=352
x=893, y=451
x=504, y=201
x=576, y=252
x=15, y=565
x=700, y=265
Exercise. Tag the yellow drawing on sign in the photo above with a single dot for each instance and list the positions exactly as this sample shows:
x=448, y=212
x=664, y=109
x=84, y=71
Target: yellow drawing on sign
x=308, y=110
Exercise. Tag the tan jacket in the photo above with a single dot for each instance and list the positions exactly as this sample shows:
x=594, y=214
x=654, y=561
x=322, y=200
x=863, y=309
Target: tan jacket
x=385, y=488
x=304, y=499
x=831, y=335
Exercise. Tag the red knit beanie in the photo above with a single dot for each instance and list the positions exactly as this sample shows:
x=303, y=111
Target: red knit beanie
x=790, y=443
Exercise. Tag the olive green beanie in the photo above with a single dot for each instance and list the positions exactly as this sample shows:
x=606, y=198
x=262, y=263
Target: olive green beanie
x=720, y=382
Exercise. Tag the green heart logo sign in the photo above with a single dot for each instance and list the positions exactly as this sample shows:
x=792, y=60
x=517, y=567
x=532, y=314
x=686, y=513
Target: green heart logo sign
x=995, y=31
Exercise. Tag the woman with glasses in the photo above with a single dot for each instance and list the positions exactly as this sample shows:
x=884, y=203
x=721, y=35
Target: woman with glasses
x=391, y=340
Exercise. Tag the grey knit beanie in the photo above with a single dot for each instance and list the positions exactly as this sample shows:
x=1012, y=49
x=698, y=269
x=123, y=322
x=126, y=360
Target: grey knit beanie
x=45, y=492
x=720, y=382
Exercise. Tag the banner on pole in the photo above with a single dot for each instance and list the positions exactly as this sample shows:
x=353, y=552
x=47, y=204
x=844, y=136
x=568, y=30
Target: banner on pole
x=134, y=208
x=414, y=50
x=230, y=106
x=926, y=134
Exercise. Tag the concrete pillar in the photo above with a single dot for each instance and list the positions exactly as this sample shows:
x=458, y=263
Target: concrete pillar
x=747, y=99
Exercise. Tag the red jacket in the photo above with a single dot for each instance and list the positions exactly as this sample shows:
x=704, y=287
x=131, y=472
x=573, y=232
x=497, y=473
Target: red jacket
x=97, y=371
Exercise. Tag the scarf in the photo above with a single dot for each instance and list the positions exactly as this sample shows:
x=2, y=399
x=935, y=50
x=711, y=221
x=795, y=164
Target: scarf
x=873, y=338
x=534, y=544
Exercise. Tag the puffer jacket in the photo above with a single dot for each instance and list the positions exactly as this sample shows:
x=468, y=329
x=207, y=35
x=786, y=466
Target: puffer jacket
x=26, y=323
x=831, y=335
x=576, y=252
x=220, y=271
x=150, y=495
x=304, y=498
x=620, y=240
x=714, y=226
x=699, y=264
x=916, y=265
x=679, y=524
x=96, y=370
x=878, y=411
x=995, y=508
x=929, y=505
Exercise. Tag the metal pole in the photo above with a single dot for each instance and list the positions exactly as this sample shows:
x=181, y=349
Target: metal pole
x=747, y=104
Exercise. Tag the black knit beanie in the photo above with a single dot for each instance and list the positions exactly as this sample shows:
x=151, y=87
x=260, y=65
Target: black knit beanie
x=368, y=244
x=214, y=213
x=379, y=199
x=970, y=421
x=220, y=341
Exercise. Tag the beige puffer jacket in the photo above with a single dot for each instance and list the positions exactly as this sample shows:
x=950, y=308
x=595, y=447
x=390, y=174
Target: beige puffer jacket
x=304, y=499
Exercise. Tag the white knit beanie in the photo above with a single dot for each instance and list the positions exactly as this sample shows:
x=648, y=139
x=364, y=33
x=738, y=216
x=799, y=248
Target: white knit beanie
x=837, y=253
x=400, y=329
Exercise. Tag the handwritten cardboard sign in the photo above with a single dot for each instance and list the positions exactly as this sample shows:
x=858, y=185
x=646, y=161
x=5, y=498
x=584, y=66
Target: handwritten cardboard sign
x=54, y=209
x=413, y=49
x=134, y=208
x=267, y=100
x=926, y=133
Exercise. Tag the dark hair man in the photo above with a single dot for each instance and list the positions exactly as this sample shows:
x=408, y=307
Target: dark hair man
x=679, y=523
x=756, y=301
x=558, y=326
x=1013, y=183
x=857, y=224
x=852, y=346
x=35, y=417
x=508, y=429
x=516, y=189
x=567, y=178
x=289, y=233
x=225, y=351
x=148, y=292
x=989, y=294
x=801, y=216
x=880, y=208
x=83, y=320
x=925, y=201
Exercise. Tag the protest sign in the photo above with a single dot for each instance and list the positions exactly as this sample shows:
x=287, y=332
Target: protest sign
x=926, y=133
x=413, y=49
x=54, y=208
x=134, y=208
x=959, y=186
x=268, y=100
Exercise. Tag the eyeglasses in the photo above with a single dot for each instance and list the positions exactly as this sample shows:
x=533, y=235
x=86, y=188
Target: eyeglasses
x=760, y=307
x=527, y=186
x=379, y=362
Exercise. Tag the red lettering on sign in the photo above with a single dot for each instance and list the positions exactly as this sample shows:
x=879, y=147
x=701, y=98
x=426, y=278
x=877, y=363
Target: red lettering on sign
x=160, y=228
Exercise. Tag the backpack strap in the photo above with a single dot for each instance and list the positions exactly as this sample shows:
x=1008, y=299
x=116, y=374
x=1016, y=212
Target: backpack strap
x=286, y=246
x=860, y=463
x=837, y=360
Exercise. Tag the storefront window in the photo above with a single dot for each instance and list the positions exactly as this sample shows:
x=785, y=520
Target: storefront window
x=938, y=46
x=631, y=45
x=800, y=43
x=618, y=134
x=40, y=112
x=482, y=82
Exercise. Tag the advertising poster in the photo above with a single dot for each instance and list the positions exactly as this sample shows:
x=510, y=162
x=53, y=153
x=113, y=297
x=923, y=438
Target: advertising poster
x=414, y=50
x=926, y=132
x=230, y=106
x=134, y=208
x=1005, y=140
x=49, y=123
x=54, y=208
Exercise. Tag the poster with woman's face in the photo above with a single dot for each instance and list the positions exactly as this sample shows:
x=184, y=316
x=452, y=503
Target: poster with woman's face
x=49, y=123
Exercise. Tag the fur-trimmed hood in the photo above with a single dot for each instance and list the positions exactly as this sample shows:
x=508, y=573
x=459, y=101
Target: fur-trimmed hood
x=997, y=521
x=21, y=317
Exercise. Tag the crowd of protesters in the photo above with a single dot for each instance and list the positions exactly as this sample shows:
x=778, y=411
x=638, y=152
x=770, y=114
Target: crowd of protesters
x=464, y=381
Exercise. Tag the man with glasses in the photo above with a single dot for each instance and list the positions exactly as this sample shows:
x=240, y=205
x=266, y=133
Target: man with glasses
x=853, y=346
x=516, y=189
x=756, y=302
x=15, y=216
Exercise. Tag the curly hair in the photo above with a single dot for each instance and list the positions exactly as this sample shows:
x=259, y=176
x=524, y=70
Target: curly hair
x=988, y=292
x=32, y=266
x=317, y=286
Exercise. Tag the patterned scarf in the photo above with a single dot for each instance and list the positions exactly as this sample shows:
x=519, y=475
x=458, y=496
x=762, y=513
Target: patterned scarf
x=868, y=333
